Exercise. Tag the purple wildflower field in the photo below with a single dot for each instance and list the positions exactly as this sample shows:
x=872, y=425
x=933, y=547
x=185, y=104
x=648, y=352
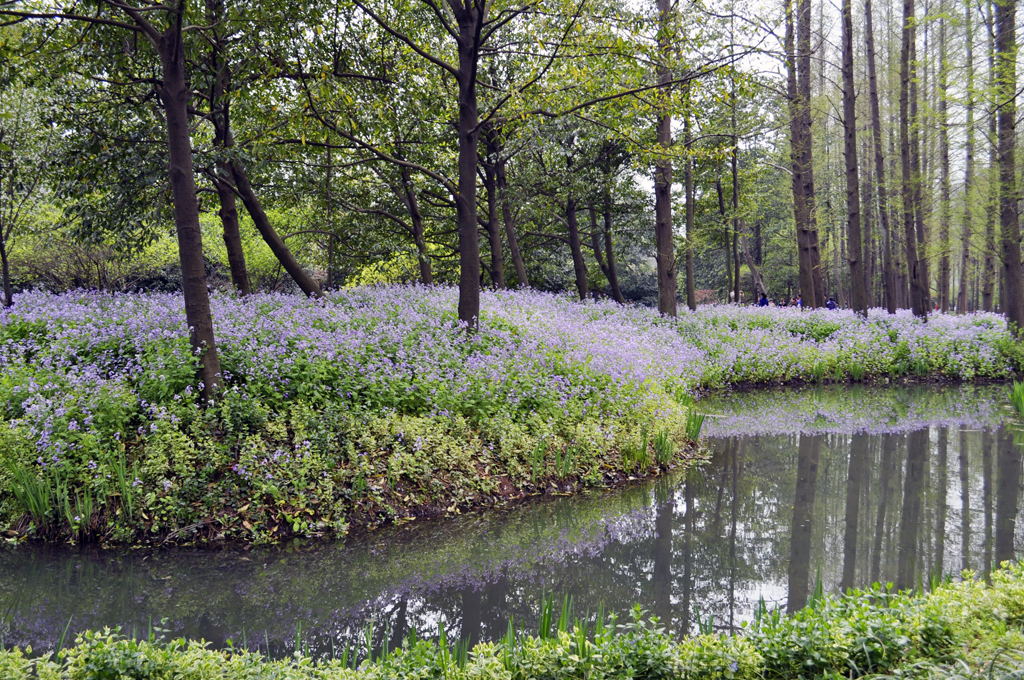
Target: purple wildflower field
x=376, y=403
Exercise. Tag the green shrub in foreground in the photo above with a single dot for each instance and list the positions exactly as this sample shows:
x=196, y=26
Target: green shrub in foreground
x=953, y=631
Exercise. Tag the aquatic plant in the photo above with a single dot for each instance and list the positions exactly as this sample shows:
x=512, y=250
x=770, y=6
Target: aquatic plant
x=1017, y=398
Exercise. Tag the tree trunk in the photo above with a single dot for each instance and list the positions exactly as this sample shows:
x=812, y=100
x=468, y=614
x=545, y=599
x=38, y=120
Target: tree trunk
x=944, y=182
x=869, y=244
x=726, y=244
x=579, y=265
x=174, y=95
x=665, y=248
x=510, y=226
x=792, y=96
x=595, y=240
x=220, y=84
x=908, y=92
x=233, y=170
x=691, y=289
x=798, y=87
x=609, y=253
x=232, y=236
x=604, y=250
x=817, y=296
x=5, y=272
x=734, y=170
x=988, y=276
x=412, y=206
x=277, y=245
x=918, y=185
x=965, y=234
x=1009, y=221
x=470, y=19
x=858, y=280
x=493, y=228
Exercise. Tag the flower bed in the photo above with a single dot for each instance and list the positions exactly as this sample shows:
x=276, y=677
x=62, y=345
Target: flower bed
x=376, y=405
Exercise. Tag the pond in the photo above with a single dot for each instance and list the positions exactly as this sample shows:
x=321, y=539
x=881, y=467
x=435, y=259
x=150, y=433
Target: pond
x=805, y=489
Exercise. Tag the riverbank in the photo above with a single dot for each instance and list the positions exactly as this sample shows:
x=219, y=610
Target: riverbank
x=963, y=629
x=376, y=406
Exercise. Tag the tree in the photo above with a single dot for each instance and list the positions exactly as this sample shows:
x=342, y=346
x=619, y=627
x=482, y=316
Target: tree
x=663, y=232
x=945, y=205
x=24, y=156
x=164, y=27
x=798, y=64
x=858, y=280
x=910, y=165
x=965, y=234
x=1009, y=220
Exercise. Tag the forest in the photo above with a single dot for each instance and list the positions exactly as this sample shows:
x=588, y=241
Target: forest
x=864, y=153
x=345, y=339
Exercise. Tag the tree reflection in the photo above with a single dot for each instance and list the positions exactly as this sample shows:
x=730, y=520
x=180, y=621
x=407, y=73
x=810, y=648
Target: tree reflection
x=856, y=473
x=908, y=570
x=767, y=516
x=1007, y=496
x=809, y=452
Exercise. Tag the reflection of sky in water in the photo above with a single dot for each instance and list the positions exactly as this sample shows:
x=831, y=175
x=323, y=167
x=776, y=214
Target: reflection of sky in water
x=849, y=409
x=687, y=547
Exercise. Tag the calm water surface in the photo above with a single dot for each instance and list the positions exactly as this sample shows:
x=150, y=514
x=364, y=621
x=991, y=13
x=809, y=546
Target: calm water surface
x=838, y=486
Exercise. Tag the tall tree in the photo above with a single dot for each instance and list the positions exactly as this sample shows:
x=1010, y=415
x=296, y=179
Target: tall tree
x=908, y=165
x=992, y=212
x=691, y=208
x=799, y=95
x=24, y=144
x=969, y=143
x=219, y=91
x=164, y=27
x=888, y=266
x=945, y=202
x=1009, y=193
x=858, y=280
x=663, y=232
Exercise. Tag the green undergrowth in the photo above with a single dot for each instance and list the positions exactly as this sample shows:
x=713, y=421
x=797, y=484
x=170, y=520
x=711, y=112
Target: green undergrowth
x=318, y=472
x=966, y=629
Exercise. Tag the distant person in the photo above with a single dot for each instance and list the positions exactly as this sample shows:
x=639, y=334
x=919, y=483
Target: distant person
x=831, y=304
x=763, y=300
x=799, y=301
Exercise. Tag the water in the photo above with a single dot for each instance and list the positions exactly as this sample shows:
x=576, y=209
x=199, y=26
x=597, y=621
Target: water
x=825, y=487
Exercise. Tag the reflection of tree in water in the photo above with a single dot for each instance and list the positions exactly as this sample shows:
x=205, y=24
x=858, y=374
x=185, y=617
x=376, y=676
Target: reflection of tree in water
x=803, y=518
x=1007, y=497
x=767, y=516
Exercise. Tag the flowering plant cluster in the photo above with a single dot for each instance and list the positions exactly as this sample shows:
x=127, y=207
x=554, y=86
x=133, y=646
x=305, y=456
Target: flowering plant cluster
x=377, y=404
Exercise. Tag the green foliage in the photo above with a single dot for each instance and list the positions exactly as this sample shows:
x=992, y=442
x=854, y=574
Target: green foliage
x=694, y=424
x=950, y=632
x=1017, y=398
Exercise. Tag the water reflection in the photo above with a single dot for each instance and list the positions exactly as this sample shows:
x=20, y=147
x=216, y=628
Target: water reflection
x=783, y=506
